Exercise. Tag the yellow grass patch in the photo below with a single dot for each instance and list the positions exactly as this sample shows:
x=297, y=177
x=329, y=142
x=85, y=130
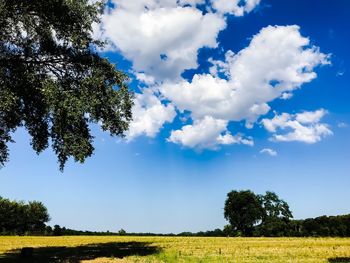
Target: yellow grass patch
x=178, y=249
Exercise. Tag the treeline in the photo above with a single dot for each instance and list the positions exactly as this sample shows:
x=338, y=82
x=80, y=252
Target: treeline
x=63, y=231
x=273, y=219
x=267, y=215
x=20, y=218
x=336, y=226
x=211, y=233
x=323, y=226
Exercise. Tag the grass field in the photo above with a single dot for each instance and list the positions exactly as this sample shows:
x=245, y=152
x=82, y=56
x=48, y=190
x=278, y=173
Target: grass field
x=176, y=249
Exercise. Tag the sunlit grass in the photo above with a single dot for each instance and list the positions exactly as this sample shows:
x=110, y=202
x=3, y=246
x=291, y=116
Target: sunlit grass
x=202, y=249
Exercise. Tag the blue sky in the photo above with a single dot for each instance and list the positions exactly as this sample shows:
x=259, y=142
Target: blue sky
x=273, y=116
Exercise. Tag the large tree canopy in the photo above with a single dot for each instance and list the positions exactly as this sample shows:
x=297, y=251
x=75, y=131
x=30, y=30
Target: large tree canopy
x=243, y=210
x=19, y=217
x=52, y=80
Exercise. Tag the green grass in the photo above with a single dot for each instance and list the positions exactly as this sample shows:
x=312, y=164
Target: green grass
x=178, y=249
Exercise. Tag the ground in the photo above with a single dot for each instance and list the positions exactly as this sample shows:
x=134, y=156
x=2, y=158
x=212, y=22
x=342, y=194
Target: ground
x=176, y=249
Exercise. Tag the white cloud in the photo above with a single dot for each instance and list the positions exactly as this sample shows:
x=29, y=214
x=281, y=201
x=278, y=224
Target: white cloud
x=144, y=78
x=207, y=133
x=278, y=121
x=310, y=116
x=235, y=7
x=149, y=115
x=340, y=73
x=342, y=125
x=277, y=61
x=161, y=38
x=191, y=2
x=286, y=96
x=222, y=67
x=268, y=151
x=302, y=127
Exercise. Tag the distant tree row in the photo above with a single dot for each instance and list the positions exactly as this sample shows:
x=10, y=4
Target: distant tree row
x=268, y=215
x=323, y=226
x=20, y=218
x=336, y=226
x=249, y=215
x=63, y=231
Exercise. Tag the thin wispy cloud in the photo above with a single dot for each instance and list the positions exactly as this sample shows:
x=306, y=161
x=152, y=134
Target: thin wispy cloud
x=268, y=151
x=342, y=125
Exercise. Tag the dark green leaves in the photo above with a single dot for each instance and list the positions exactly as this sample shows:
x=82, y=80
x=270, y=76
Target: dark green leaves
x=21, y=218
x=245, y=210
x=274, y=207
x=53, y=82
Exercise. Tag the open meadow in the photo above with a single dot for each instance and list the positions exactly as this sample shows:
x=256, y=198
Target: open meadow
x=176, y=249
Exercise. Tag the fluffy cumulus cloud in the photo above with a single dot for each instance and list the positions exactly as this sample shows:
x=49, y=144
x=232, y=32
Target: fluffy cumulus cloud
x=207, y=133
x=269, y=151
x=235, y=7
x=162, y=39
x=277, y=61
x=274, y=63
x=302, y=127
x=149, y=115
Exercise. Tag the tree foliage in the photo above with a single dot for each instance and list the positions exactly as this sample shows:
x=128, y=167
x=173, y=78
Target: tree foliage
x=243, y=210
x=274, y=207
x=248, y=212
x=52, y=80
x=20, y=218
x=276, y=215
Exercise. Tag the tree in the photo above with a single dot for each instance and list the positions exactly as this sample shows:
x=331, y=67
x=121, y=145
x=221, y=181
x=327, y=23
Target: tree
x=228, y=231
x=53, y=81
x=21, y=218
x=122, y=232
x=243, y=210
x=48, y=230
x=37, y=215
x=57, y=230
x=274, y=207
x=276, y=215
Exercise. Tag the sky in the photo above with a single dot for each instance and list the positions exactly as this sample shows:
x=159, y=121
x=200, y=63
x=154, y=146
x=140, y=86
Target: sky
x=229, y=95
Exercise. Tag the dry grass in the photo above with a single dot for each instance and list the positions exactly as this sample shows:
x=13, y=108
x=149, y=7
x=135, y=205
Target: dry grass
x=180, y=249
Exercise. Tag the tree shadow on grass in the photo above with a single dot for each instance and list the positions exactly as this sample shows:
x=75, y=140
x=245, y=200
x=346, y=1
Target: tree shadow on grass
x=85, y=252
x=339, y=260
